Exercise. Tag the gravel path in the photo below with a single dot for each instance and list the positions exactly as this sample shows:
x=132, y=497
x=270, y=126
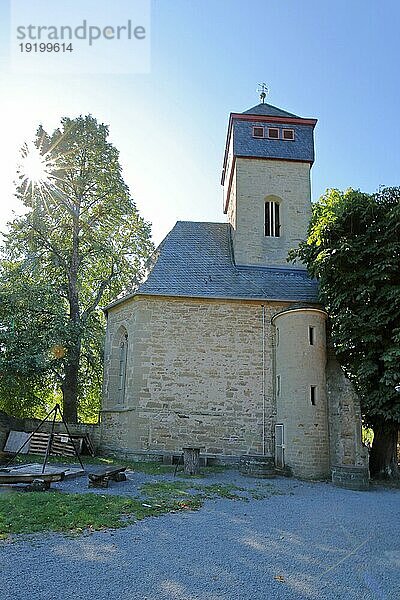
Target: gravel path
x=312, y=541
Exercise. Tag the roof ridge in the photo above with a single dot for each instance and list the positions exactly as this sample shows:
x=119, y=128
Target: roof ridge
x=199, y=223
x=264, y=108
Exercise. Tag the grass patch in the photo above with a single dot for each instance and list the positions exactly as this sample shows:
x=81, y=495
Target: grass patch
x=265, y=490
x=150, y=468
x=190, y=493
x=22, y=512
x=204, y=471
x=227, y=491
x=171, y=495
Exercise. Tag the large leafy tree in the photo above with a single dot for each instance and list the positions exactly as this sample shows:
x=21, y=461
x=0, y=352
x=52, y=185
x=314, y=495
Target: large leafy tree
x=80, y=243
x=30, y=331
x=353, y=248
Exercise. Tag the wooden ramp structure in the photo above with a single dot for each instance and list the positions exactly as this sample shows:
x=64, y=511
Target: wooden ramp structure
x=44, y=442
x=36, y=443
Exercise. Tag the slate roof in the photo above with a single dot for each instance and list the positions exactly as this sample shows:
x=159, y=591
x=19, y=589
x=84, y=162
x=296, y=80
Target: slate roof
x=196, y=260
x=269, y=110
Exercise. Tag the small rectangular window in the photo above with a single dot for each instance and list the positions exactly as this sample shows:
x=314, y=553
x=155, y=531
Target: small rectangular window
x=278, y=385
x=311, y=335
x=277, y=336
x=288, y=134
x=313, y=394
x=273, y=133
x=258, y=132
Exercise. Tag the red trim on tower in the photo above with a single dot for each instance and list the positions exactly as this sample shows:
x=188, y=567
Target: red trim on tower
x=260, y=118
x=271, y=119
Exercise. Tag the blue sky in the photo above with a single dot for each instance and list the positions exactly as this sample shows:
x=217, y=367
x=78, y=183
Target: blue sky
x=337, y=62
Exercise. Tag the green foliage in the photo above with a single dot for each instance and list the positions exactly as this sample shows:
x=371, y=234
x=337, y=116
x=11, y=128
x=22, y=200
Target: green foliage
x=31, y=325
x=353, y=248
x=79, y=245
x=367, y=435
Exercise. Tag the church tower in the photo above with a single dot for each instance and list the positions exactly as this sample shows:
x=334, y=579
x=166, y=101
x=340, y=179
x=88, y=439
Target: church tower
x=266, y=180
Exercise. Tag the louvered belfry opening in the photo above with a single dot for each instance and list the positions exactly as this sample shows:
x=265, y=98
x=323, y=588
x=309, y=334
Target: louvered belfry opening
x=272, y=219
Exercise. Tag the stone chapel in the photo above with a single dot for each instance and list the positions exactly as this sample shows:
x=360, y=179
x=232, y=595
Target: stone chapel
x=223, y=345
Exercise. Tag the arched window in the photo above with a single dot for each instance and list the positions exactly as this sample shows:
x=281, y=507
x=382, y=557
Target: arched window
x=123, y=354
x=115, y=382
x=272, y=218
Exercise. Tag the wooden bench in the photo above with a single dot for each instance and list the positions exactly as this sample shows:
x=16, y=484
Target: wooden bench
x=101, y=477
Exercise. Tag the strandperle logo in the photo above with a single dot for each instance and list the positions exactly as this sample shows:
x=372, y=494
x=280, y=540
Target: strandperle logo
x=80, y=36
x=85, y=31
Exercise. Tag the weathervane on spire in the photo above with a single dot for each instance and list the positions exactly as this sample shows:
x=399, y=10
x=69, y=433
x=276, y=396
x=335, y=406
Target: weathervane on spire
x=263, y=91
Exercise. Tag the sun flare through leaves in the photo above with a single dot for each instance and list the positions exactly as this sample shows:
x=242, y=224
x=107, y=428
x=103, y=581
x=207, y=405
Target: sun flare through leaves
x=42, y=171
x=34, y=168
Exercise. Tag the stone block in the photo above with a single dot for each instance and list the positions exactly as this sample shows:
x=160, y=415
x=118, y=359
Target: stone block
x=256, y=465
x=351, y=477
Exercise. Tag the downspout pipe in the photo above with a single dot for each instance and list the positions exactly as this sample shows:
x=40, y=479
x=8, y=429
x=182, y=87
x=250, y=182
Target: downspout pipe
x=263, y=378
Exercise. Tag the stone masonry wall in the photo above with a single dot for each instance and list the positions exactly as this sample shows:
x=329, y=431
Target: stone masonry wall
x=255, y=179
x=344, y=418
x=300, y=365
x=194, y=376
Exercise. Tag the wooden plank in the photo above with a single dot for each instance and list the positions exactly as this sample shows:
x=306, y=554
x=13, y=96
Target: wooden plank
x=89, y=444
x=62, y=445
x=39, y=443
x=15, y=477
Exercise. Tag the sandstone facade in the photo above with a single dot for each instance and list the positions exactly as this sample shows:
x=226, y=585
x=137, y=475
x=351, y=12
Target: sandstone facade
x=254, y=182
x=223, y=346
x=198, y=374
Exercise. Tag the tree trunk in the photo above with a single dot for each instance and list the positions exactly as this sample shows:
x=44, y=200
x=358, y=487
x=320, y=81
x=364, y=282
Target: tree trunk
x=191, y=461
x=383, y=457
x=71, y=369
x=70, y=391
